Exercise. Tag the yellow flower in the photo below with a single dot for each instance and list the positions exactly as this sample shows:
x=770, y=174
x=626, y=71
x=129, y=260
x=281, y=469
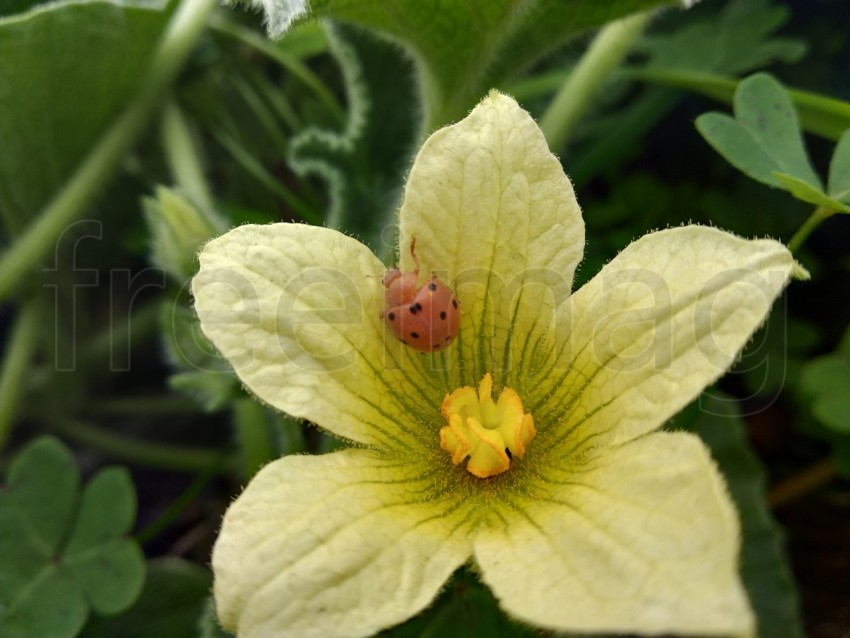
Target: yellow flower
x=587, y=519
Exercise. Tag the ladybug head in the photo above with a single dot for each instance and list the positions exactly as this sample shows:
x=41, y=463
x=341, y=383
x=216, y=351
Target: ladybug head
x=391, y=275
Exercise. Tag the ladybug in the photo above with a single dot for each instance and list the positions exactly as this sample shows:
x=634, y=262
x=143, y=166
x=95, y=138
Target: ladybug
x=425, y=317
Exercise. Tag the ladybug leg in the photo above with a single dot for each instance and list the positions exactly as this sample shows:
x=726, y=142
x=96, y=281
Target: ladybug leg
x=413, y=253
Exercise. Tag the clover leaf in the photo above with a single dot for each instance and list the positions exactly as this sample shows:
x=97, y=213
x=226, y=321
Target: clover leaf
x=839, y=170
x=764, y=136
x=764, y=141
x=837, y=195
x=64, y=553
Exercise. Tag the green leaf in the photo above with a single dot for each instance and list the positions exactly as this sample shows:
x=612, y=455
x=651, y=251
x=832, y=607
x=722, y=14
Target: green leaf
x=819, y=114
x=740, y=149
x=61, y=554
x=107, y=510
x=764, y=109
x=173, y=598
x=826, y=382
x=109, y=566
x=465, y=48
x=41, y=494
x=111, y=574
x=738, y=39
x=51, y=606
x=764, y=138
x=36, y=509
x=807, y=193
x=764, y=565
x=365, y=163
x=51, y=107
x=839, y=170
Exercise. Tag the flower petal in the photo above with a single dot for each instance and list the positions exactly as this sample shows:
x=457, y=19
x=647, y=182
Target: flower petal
x=644, y=538
x=495, y=217
x=296, y=311
x=344, y=544
x=664, y=319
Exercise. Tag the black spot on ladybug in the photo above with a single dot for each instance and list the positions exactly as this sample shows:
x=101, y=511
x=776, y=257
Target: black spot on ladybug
x=418, y=306
x=437, y=346
x=443, y=315
x=391, y=316
x=413, y=309
x=414, y=335
x=432, y=286
x=454, y=303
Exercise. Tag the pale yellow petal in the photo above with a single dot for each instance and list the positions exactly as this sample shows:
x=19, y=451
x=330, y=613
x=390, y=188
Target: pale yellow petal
x=296, y=311
x=344, y=544
x=644, y=539
x=664, y=319
x=496, y=218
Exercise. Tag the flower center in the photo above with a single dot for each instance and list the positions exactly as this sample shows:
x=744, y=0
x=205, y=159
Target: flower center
x=489, y=432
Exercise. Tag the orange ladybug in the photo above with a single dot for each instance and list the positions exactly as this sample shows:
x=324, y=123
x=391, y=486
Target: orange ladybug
x=426, y=317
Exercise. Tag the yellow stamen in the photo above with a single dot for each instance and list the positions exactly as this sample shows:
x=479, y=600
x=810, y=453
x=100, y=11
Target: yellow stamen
x=483, y=429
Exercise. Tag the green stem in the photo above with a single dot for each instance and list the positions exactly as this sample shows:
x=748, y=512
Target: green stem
x=20, y=348
x=252, y=431
x=605, y=53
x=158, y=455
x=821, y=213
x=182, y=156
x=70, y=202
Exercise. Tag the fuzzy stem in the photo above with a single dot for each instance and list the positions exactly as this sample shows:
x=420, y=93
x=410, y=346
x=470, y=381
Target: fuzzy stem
x=605, y=53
